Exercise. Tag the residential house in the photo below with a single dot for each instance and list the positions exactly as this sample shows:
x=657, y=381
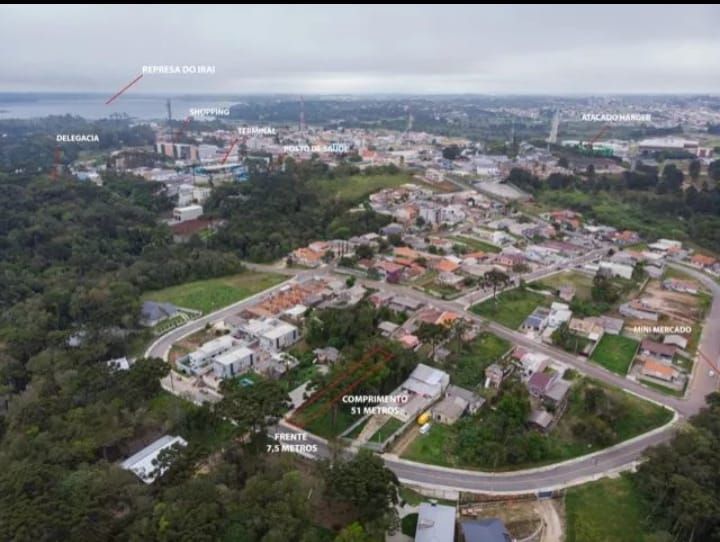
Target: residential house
x=198, y=362
x=233, y=362
x=703, y=261
x=143, y=463
x=676, y=340
x=661, y=371
x=387, y=328
x=589, y=327
x=450, y=279
x=557, y=393
x=307, y=257
x=404, y=304
x=389, y=271
x=456, y=403
x=680, y=286
x=541, y=419
x=153, y=312
x=637, y=309
x=537, y=321
x=659, y=351
x=615, y=269
x=559, y=314
x=274, y=334
x=494, y=376
x=329, y=355
x=540, y=382
x=435, y=523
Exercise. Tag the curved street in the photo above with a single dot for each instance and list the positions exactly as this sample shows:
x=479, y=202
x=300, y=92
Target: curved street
x=704, y=380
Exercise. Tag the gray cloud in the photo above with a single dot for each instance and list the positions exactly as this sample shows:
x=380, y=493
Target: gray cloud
x=332, y=49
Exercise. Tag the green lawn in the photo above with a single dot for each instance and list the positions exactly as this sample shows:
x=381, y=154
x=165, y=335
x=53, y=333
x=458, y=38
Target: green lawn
x=609, y=510
x=615, y=353
x=386, y=430
x=355, y=433
x=582, y=282
x=212, y=294
x=467, y=365
x=511, y=307
x=435, y=447
x=358, y=187
x=476, y=244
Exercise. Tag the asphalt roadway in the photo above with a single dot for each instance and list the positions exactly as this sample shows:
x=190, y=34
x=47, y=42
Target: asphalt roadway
x=572, y=472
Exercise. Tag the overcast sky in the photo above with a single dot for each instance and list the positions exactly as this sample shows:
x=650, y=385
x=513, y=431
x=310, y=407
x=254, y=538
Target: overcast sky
x=360, y=49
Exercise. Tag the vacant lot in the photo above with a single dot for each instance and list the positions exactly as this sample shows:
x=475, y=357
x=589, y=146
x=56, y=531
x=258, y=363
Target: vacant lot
x=476, y=244
x=511, y=307
x=582, y=283
x=589, y=509
x=358, y=187
x=615, y=352
x=467, y=365
x=212, y=294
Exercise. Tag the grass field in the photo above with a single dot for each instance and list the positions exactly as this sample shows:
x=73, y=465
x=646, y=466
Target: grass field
x=590, y=509
x=212, y=294
x=358, y=187
x=386, y=430
x=467, y=366
x=615, y=353
x=476, y=244
x=582, y=282
x=511, y=308
x=436, y=447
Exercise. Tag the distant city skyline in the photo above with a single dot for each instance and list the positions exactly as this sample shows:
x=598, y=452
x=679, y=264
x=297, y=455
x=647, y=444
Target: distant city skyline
x=436, y=49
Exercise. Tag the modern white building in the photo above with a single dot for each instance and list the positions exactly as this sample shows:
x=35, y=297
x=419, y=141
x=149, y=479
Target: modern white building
x=273, y=334
x=198, y=362
x=617, y=269
x=142, y=464
x=233, y=362
x=189, y=212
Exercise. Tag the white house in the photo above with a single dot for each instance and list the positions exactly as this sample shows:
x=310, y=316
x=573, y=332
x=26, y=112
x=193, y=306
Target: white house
x=273, y=334
x=233, y=362
x=189, y=212
x=142, y=463
x=617, y=269
x=200, y=359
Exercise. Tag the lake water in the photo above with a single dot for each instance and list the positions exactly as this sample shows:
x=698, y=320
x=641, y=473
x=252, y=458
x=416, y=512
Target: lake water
x=92, y=106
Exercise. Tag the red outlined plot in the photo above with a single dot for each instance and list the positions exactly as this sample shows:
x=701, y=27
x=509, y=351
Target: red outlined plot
x=232, y=146
x=119, y=92
x=362, y=370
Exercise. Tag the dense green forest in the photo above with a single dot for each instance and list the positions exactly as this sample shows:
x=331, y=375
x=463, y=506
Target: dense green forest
x=652, y=203
x=74, y=259
x=681, y=480
x=277, y=212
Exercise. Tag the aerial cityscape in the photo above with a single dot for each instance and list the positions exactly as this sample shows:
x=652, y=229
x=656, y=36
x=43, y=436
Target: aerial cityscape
x=360, y=273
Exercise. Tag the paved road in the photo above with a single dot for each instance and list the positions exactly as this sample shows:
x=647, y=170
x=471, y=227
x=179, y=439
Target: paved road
x=558, y=475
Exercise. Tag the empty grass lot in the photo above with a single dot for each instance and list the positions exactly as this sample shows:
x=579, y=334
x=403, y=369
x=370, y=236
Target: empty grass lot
x=213, y=294
x=476, y=244
x=588, y=509
x=357, y=187
x=615, y=353
x=511, y=307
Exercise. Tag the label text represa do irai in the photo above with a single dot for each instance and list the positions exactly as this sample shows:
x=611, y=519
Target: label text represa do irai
x=186, y=69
